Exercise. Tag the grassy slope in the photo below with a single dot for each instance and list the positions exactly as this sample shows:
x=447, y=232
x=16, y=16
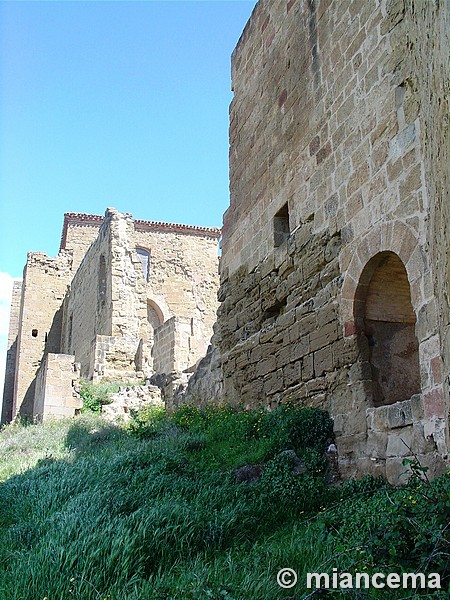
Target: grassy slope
x=88, y=510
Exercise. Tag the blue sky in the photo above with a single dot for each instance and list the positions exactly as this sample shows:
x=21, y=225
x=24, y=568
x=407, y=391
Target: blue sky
x=121, y=104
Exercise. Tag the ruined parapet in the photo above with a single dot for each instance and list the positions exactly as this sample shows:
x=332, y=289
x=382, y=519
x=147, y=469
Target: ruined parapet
x=78, y=232
x=114, y=358
x=128, y=289
x=173, y=346
x=131, y=399
x=57, y=388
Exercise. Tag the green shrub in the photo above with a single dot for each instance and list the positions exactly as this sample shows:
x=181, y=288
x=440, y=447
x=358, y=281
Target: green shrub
x=152, y=510
x=95, y=395
x=291, y=427
x=395, y=528
x=295, y=493
x=148, y=421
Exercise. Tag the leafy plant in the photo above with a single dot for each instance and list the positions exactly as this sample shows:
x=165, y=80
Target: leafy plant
x=95, y=395
x=148, y=421
x=153, y=510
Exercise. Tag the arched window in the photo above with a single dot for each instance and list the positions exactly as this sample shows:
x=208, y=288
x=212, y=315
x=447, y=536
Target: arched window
x=144, y=256
x=385, y=322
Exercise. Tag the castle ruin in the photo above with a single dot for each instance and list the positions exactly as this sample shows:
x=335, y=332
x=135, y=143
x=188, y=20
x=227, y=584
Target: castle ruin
x=335, y=270
x=123, y=299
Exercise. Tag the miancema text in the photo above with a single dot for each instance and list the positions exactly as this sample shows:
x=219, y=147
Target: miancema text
x=377, y=580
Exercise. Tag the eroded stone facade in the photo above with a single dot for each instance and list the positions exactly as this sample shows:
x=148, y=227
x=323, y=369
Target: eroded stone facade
x=335, y=264
x=101, y=303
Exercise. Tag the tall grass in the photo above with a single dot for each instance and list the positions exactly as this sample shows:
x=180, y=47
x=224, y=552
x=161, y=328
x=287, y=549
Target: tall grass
x=152, y=510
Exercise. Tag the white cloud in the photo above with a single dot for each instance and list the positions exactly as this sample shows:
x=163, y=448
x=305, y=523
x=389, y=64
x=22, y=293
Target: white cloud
x=6, y=284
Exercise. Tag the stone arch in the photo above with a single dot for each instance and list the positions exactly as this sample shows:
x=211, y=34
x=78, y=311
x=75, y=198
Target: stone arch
x=389, y=236
x=155, y=316
x=385, y=327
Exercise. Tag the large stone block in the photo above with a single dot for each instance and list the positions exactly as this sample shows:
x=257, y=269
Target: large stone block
x=377, y=444
x=396, y=472
x=399, y=442
x=323, y=361
x=399, y=414
x=324, y=336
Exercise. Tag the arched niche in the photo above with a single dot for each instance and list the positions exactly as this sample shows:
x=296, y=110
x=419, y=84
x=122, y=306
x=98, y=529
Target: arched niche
x=154, y=316
x=385, y=325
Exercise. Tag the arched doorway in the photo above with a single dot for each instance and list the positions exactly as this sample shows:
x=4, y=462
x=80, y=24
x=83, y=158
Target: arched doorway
x=154, y=316
x=385, y=324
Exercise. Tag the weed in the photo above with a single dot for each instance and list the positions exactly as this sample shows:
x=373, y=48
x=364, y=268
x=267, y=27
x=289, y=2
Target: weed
x=152, y=510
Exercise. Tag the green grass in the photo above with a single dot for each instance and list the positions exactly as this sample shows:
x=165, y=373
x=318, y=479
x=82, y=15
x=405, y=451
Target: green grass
x=152, y=510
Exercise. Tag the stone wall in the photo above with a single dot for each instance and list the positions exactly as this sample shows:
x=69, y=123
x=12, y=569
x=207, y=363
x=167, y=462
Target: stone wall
x=105, y=316
x=432, y=92
x=79, y=231
x=88, y=306
x=129, y=294
x=8, y=395
x=57, y=387
x=95, y=302
x=44, y=286
x=174, y=347
x=276, y=336
x=164, y=353
x=115, y=358
x=333, y=169
x=183, y=276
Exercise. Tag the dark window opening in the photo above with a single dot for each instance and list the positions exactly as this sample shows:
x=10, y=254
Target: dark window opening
x=386, y=323
x=144, y=256
x=34, y=332
x=281, y=229
x=275, y=310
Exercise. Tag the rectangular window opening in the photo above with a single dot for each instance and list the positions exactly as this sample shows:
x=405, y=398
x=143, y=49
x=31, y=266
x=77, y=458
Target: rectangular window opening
x=281, y=229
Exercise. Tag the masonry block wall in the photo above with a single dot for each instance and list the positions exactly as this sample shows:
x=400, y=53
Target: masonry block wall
x=109, y=281
x=180, y=279
x=11, y=353
x=44, y=286
x=78, y=233
x=113, y=283
x=183, y=276
x=164, y=353
x=57, y=387
x=88, y=305
x=174, y=348
x=338, y=130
